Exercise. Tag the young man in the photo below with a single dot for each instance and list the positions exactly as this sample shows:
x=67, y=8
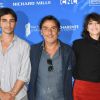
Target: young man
x=52, y=62
x=14, y=59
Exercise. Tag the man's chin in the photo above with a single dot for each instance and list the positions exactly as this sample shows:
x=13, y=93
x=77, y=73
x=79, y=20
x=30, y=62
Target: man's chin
x=51, y=42
x=9, y=33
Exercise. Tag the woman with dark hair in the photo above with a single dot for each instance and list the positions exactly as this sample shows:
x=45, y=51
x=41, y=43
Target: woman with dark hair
x=87, y=52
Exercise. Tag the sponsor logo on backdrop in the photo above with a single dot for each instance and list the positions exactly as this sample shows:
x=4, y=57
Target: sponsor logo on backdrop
x=27, y=29
x=30, y=28
x=45, y=2
x=69, y=27
x=94, y=2
x=1, y=4
x=35, y=28
x=66, y=2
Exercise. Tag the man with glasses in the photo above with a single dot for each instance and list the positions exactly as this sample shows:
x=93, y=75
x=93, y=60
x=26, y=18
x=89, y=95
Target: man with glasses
x=14, y=59
x=52, y=62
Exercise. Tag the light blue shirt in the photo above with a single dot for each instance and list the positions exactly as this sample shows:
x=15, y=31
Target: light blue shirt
x=50, y=83
x=15, y=65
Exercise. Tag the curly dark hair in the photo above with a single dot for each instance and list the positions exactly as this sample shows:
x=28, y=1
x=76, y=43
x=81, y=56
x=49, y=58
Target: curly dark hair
x=92, y=16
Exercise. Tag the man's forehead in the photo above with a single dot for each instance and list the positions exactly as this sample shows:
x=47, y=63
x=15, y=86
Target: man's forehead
x=7, y=16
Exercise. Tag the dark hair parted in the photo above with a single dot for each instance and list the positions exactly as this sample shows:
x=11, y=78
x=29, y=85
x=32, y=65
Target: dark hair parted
x=49, y=17
x=6, y=11
x=92, y=16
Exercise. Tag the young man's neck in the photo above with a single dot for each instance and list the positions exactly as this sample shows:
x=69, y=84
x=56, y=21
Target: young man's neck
x=6, y=38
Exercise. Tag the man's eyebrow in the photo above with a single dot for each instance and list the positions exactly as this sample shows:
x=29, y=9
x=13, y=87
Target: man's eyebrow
x=3, y=19
x=6, y=19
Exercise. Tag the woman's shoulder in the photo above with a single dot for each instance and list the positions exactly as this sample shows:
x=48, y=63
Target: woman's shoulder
x=78, y=41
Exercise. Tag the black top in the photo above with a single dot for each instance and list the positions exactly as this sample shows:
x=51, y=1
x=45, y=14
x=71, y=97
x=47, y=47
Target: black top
x=87, y=53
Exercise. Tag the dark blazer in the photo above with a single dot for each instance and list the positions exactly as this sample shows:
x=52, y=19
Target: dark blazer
x=67, y=64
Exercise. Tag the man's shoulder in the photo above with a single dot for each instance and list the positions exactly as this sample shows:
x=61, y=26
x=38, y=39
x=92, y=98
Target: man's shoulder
x=22, y=41
x=78, y=40
x=36, y=49
x=36, y=46
x=66, y=47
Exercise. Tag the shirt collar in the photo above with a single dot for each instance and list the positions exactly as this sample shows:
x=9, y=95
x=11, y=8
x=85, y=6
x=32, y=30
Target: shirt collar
x=43, y=43
x=14, y=38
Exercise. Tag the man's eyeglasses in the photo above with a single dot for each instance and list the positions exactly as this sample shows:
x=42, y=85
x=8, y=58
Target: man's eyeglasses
x=50, y=67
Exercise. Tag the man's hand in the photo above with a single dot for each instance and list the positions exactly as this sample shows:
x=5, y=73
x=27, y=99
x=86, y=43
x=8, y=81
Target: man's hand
x=6, y=96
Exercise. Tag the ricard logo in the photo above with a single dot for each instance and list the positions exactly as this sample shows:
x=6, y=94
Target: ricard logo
x=30, y=28
x=65, y=2
x=31, y=3
x=27, y=29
